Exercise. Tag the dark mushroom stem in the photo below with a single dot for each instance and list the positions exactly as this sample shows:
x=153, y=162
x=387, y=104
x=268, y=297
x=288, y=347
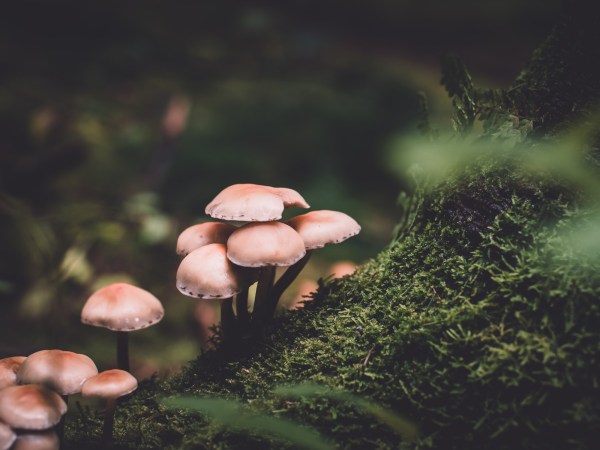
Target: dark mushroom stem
x=283, y=283
x=109, y=421
x=227, y=319
x=263, y=291
x=241, y=305
x=123, y=350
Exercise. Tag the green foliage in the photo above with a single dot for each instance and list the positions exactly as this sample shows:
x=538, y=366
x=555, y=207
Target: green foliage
x=230, y=414
x=404, y=427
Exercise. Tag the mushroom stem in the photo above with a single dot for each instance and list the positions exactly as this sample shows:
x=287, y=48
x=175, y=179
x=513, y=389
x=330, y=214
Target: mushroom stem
x=109, y=420
x=227, y=319
x=241, y=303
x=284, y=282
x=123, y=350
x=263, y=290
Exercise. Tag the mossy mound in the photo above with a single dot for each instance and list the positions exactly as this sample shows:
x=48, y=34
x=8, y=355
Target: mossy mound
x=485, y=341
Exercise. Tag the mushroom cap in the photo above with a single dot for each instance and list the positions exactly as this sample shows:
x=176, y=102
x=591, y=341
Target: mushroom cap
x=112, y=383
x=122, y=307
x=38, y=440
x=203, y=234
x=8, y=370
x=62, y=371
x=207, y=273
x=7, y=436
x=253, y=203
x=31, y=407
x=265, y=244
x=319, y=228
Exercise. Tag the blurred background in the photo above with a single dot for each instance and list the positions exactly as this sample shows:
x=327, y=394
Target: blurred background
x=120, y=121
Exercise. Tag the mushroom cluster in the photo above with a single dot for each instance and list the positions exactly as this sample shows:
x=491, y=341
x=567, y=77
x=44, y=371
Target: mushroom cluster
x=35, y=390
x=222, y=259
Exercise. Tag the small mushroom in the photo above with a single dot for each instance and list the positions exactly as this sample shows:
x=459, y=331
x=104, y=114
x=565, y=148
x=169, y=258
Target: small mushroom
x=62, y=371
x=8, y=370
x=266, y=245
x=317, y=229
x=122, y=307
x=31, y=407
x=7, y=436
x=206, y=273
x=110, y=385
x=253, y=203
x=203, y=234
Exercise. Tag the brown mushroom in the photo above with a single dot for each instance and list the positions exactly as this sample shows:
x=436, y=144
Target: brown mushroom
x=31, y=407
x=266, y=245
x=62, y=371
x=253, y=203
x=203, y=234
x=122, y=307
x=317, y=229
x=109, y=385
x=207, y=273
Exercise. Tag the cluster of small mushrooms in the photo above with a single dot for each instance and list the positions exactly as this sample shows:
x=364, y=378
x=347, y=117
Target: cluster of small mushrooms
x=35, y=390
x=222, y=259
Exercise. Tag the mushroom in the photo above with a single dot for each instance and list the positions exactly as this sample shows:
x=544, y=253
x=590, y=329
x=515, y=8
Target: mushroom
x=7, y=436
x=122, y=307
x=253, y=203
x=62, y=371
x=8, y=370
x=110, y=385
x=31, y=407
x=37, y=440
x=266, y=245
x=317, y=229
x=206, y=273
x=203, y=234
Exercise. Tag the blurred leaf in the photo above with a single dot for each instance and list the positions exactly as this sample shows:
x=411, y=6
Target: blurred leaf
x=404, y=427
x=76, y=266
x=231, y=414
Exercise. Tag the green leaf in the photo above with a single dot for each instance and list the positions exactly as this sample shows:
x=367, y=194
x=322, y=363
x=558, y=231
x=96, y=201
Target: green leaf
x=407, y=429
x=231, y=414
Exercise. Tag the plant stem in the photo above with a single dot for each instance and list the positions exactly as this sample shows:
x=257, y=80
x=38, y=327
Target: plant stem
x=123, y=350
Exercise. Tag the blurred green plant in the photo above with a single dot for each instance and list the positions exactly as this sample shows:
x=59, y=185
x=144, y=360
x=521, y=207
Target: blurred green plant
x=231, y=414
x=407, y=429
